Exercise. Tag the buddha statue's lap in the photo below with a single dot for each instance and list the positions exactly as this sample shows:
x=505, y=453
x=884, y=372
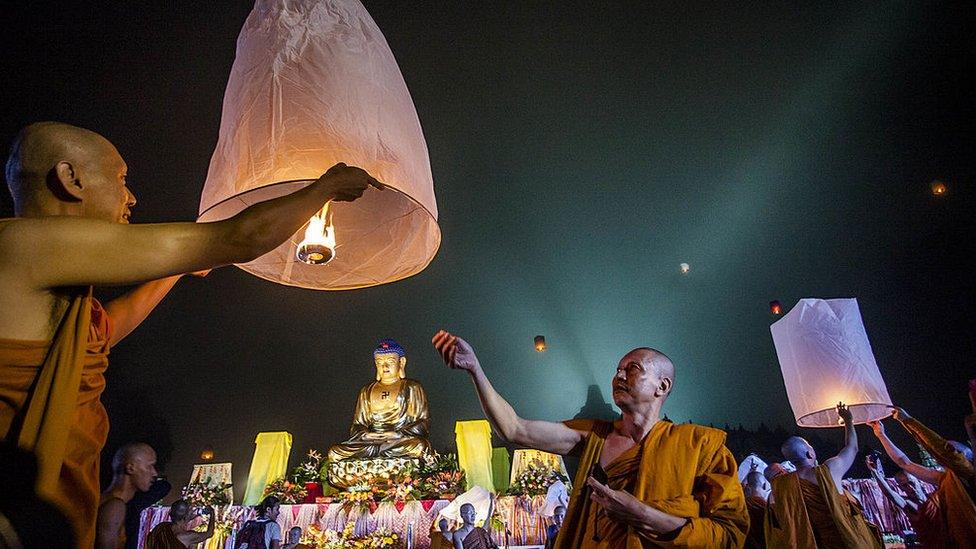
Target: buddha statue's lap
x=390, y=422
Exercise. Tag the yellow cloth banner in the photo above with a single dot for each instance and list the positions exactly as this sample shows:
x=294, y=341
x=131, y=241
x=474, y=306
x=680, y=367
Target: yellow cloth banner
x=270, y=463
x=474, y=452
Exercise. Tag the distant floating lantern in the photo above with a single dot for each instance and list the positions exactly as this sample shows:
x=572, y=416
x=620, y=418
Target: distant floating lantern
x=775, y=307
x=540, y=344
x=684, y=268
x=314, y=83
x=826, y=358
x=207, y=454
x=939, y=188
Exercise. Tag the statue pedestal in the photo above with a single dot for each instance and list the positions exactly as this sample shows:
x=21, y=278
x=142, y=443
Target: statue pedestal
x=350, y=472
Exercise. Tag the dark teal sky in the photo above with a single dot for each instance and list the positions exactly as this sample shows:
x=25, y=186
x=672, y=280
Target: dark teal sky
x=580, y=152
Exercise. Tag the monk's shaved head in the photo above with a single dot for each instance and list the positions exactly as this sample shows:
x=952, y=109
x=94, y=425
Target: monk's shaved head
x=798, y=450
x=180, y=510
x=38, y=148
x=131, y=453
x=643, y=380
x=963, y=449
x=661, y=361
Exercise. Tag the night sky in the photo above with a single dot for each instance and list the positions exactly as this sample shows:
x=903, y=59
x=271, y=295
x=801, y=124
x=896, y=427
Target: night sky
x=580, y=153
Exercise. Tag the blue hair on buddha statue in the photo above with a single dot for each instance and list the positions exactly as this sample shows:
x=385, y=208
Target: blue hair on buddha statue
x=389, y=346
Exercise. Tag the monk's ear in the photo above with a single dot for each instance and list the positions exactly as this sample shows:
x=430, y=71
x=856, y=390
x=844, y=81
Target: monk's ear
x=64, y=181
x=664, y=387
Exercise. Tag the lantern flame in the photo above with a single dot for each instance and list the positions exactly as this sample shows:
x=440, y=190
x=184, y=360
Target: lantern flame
x=318, y=246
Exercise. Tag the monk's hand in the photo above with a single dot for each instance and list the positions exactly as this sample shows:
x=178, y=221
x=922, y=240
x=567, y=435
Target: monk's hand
x=899, y=413
x=877, y=427
x=456, y=352
x=873, y=464
x=620, y=506
x=347, y=183
x=845, y=413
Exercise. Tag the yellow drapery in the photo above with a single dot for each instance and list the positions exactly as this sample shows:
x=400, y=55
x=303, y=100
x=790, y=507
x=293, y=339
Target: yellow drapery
x=474, y=452
x=270, y=463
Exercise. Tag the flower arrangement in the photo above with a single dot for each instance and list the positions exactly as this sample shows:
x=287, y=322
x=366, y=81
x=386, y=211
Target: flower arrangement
x=535, y=480
x=440, y=474
x=331, y=539
x=308, y=471
x=286, y=491
x=206, y=493
x=360, y=494
x=399, y=487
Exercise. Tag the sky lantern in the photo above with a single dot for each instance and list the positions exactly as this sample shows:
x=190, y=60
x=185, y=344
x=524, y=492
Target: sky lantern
x=938, y=188
x=207, y=454
x=826, y=358
x=684, y=268
x=314, y=83
x=540, y=343
x=775, y=307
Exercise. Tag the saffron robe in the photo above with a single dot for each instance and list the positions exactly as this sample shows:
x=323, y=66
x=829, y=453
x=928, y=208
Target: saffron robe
x=956, y=489
x=804, y=515
x=50, y=405
x=757, y=518
x=438, y=541
x=683, y=470
x=163, y=537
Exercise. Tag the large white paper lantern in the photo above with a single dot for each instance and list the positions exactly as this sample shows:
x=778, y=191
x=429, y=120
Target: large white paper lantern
x=315, y=83
x=826, y=358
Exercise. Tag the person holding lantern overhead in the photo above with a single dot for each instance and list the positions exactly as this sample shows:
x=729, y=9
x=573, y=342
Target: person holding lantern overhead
x=642, y=481
x=71, y=232
x=808, y=508
x=950, y=512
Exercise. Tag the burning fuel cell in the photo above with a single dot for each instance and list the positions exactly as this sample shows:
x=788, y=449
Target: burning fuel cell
x=318, y=246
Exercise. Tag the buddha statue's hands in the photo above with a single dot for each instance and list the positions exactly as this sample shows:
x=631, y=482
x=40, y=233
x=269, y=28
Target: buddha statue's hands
x=456, y=352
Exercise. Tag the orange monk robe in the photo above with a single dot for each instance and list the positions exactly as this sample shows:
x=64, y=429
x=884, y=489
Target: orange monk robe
x=804, y=515
x=683, y=470
x=438, y=541
x=757, y=517
x=478, y=538
x=49, y=405
x=956, y=489
x=162, y=536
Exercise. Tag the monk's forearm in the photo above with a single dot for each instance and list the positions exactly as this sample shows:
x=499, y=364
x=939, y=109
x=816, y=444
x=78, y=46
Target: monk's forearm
x=130, y=309
x=892, y=496
x=941, y=450
x=498, y=411
x=894, y=452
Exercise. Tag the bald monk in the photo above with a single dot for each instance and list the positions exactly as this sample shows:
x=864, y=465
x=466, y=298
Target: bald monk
x=656, y=484
x=469, y=536
x=441, y=537
x=133, y=470
x=922, y=511
x=70, y=233
x=955, y=485
x=809, y=507
x=178, y=532
x=756, y=490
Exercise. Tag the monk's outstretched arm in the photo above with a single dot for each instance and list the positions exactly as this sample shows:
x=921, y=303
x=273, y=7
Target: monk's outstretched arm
x=841, y=463
x=893, y=497
x=200, y=537
x=547, y=436
x=940, y=448
x=129, y=310
x=50, y=252
x=923, y=473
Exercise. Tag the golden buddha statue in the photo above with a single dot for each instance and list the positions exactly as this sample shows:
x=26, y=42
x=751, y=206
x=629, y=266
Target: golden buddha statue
x=391, y=419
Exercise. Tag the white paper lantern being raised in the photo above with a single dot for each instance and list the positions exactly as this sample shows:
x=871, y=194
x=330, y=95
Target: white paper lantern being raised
x=315, y=83
x=826, y=358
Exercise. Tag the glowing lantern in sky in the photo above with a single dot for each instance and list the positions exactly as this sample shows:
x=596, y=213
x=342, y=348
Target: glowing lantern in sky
x=939, y=188
x=315, y=83
x=540, y=343
x=826, y=358
x=684, y=268
x=207, y=454
x=775, y=307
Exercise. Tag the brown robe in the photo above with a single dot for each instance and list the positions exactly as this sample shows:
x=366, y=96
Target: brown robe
x=956, y=489
x=163, y=537
x=684, y=470
x=757, y=518
x=803, y=515
x=50, y=405
x=478, y=538
x=438, y=541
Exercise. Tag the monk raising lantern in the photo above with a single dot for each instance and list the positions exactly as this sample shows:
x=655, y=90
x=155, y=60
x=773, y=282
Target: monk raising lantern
x=642, y=481
x=391, y=419
x=809, y=508
x=71, y=232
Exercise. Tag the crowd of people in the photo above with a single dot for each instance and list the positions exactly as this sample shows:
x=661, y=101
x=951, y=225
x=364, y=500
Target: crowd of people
x=642, y=482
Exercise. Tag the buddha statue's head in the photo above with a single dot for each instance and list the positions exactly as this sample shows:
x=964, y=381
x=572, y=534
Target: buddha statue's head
x=391, y=362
